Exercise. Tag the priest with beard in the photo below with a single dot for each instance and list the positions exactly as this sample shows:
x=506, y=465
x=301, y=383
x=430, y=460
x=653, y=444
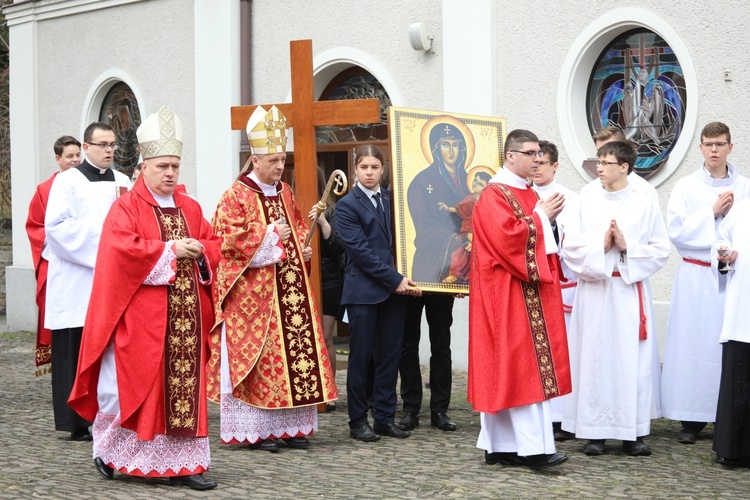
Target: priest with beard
x=141, y=374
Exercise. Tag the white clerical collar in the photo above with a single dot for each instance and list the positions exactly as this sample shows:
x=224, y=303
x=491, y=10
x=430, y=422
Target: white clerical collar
x=505, y=176
x=369, y=192
x=619, y=194
x=164, y=201
x=102, y=171
x=727, y=180
x=268, y=189
x=547, y=189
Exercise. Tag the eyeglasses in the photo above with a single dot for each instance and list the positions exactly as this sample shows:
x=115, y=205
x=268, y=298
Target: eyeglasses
x=608, y=163
x=545, y=163
x=104, y=145
x=530, y=153
x=710, y=145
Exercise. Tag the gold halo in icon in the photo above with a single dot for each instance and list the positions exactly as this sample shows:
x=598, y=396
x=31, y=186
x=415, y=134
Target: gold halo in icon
x=450, y=120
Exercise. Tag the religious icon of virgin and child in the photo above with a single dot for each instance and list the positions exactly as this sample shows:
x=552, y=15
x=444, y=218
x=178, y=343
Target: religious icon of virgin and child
x=441, y=199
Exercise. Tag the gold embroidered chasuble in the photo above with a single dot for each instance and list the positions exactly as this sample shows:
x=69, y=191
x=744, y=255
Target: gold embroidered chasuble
x=518, y=351
x=183, y=350
x=277, y=353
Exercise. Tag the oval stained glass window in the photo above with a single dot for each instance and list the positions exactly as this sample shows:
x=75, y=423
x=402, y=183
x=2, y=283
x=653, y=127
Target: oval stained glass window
x=638, y=85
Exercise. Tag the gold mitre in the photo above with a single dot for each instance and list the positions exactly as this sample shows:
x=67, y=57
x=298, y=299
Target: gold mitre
x=266, y=131
x=160, y=134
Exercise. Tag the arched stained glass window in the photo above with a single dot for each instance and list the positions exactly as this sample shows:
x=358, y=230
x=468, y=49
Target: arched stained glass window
x=355, y=83
x=638, y=85
x=120, y=110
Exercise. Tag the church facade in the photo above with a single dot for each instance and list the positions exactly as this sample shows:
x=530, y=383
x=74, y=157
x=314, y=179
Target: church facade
x=661, y=69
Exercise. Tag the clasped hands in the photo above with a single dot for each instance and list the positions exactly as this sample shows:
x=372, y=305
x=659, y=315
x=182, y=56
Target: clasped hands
x=614, y=237
x=552, y=206
x=723, y=203
x=188, y=248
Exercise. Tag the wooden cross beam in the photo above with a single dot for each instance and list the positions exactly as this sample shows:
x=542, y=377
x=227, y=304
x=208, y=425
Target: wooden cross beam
x=303, y=114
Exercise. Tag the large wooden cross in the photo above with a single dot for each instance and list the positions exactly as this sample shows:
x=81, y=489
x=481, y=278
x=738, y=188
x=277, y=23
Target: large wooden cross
x=303, y=114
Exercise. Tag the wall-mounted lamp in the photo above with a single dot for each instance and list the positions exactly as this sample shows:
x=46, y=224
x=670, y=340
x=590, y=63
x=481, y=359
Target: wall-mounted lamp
x=419, y=37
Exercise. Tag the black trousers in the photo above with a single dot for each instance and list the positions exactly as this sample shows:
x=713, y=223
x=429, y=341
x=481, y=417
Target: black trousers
x=439, y=311
x=375, y=335
x=732, y=427
x=66, y=345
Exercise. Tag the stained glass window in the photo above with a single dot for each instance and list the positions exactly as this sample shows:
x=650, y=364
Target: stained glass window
x=637, y=84
x=356, y=83
x=120, y=110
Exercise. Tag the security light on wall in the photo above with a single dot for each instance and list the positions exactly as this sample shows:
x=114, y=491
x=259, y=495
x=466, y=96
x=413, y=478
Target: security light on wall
x=419, y=37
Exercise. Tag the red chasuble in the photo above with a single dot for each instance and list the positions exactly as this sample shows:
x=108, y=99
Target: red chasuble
x=160, y=332
x=277, y=353
x=35, y=230
x=518, y=352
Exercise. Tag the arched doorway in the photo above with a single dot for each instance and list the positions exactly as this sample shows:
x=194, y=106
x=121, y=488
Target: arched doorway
x=336, y=145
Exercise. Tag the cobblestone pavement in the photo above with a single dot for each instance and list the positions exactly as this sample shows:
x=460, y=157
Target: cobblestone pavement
x=36, y=461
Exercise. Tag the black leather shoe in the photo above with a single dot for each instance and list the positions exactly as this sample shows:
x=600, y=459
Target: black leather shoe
x=364, y=432
x=105, y=470
x=544, y=461
x=687, y=436
x=734, y=462
x=299, y=443
x=265, y=445
x=503, y=458
x=593, y=447
x=81, y=434
x=391, y=430
x=194, y=481
x=636, y=448
x=442, y=422
x=409, y=421
x=560, y=434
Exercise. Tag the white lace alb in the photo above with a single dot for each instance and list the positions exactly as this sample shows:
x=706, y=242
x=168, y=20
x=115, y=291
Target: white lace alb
x=269, y=251
x=162, y=273
x=242, y=423
x=165, y=455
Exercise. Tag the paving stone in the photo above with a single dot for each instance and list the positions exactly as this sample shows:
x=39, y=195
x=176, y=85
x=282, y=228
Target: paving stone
x=37, y=461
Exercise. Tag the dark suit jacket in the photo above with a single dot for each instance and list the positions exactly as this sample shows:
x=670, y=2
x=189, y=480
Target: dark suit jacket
x=370, y=276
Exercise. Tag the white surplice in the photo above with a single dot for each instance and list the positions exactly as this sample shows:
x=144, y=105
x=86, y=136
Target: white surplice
x=734, y=232
x=568, y=285
x=635, y=183
x=615, y=374
x=73, y=224
x=692, y=357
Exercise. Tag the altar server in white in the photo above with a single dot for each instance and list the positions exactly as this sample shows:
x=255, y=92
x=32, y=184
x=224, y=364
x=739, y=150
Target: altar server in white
x=545, y=184
x=78, y=203
x=692, y=357
x=732, y=426
x=616, y=243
